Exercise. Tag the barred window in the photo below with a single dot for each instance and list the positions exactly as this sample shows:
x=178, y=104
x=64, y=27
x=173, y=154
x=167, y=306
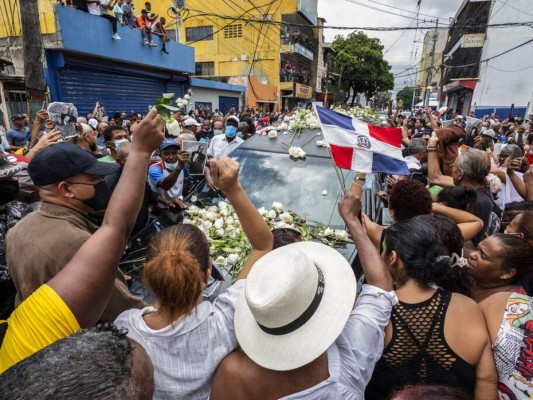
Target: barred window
x=205, y=68
x=233, y=31
x=199, y=33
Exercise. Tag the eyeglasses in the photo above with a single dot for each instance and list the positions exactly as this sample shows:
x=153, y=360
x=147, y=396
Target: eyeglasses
x=100, y=179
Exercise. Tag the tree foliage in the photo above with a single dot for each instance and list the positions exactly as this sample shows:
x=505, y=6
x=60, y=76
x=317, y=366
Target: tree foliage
x=406, y=96
x=359, y=60
x=381, y=99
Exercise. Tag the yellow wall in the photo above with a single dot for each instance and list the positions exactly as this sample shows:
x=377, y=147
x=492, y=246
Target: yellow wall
x=10, y=17
x=233, y=57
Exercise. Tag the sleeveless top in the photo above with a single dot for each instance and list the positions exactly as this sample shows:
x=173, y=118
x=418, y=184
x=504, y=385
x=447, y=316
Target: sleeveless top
x=418, y=352
x=513, y=348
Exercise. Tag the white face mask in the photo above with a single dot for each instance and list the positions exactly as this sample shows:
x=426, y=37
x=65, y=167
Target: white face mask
x=171, y=167
x=119, y=142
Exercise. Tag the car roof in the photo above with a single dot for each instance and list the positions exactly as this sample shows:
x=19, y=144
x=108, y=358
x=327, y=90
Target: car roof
x=306, y=140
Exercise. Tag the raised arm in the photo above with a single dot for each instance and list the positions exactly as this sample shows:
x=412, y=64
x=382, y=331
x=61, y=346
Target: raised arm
x=168, y=182
x=225, y=174
x=432, y=120
x=468, y=223
x=528, y=181
x=375, y=270
x=518, y=183
x=85, y=283
x=41, y=116
x=435, y=175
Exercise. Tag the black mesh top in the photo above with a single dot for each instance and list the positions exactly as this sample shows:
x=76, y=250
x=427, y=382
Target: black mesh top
x=418, y=352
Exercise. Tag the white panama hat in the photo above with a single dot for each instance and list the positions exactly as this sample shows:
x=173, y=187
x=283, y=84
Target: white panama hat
x=295, y=304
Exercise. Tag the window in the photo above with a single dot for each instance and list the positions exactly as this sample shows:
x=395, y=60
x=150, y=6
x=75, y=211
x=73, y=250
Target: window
x=233, y=31
x=205, y=68
x=199, y=33
x=203, y=106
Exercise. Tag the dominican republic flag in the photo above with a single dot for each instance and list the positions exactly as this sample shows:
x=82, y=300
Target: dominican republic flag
x=360, y=147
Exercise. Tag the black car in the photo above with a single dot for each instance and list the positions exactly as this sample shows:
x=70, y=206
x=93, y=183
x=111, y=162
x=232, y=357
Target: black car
x=309, y=187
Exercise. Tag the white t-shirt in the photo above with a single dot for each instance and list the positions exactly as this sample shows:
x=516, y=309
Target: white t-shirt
x=186, y=354
x=508, y=193
x=220, y=146
x=98, y=9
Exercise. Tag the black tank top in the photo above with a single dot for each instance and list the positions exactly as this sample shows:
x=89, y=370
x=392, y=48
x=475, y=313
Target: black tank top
x=418, y=352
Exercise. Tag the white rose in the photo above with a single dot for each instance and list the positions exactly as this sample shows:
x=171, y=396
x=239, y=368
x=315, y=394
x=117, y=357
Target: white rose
x=207, y=225
x=301, y=153
x=224, y=212
x=262, y=211
x=180, y=104
x=271, y=214
x=194, y=199
x=314, y=125
x=211, y=216
x=272, y=134
x=179, y=100
x=233, y=258
x=328, y=232
x=283, y=126
x=277, y=206
x=286, y=217
x=222, y=204
x=202, y=213
x=321, y=143
x=193, y=210
x=230, y=220
x=221, y=261
x=186, y=97
x=212, y=208
x=212, y=250
x=218, y=224
x=286, y=119
x=281, y=224
x=188, y=221
x=341, y=234
x=185, y=102
x=220, y=232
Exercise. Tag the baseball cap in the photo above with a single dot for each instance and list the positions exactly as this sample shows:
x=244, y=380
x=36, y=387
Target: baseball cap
x=234, y=118
x=169, y=143
x=93, y=122
x=17, y=116
x=190, y=122
x=489, y=132
x=64, y=160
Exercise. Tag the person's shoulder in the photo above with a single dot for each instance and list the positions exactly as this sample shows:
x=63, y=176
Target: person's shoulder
x=239, y=372
x=495, y=301
x=156, y=167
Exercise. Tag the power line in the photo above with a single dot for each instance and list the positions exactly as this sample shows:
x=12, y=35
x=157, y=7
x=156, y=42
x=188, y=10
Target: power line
x=516, y=70
x=514, y=8
x=390, y=12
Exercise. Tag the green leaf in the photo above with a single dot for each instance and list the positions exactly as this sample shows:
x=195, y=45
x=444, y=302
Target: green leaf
x=171, y=108
x=168, y=96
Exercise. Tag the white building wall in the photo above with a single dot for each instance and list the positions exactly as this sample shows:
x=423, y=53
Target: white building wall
x=507, y=79
x=206, y=95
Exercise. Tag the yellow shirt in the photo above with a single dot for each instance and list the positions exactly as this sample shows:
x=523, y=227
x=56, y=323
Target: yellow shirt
x=39, y=321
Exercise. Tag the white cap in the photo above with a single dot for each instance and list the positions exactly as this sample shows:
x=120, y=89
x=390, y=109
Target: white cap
x=93, y=122
x=234, y=118
x=190, y=122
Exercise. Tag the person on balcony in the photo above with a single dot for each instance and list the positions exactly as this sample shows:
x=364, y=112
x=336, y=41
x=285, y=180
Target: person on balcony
x=100, y=8
x=143, y=22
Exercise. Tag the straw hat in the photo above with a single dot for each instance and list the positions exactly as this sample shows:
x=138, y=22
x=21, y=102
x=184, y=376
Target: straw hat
x=295, y=304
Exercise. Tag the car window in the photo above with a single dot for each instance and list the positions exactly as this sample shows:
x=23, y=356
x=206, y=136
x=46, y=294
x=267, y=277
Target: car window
x=308, y=187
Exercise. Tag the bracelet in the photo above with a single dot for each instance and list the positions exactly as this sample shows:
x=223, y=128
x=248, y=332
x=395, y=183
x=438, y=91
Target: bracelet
x=429, y=149
x=356, y=178
x=356, y=184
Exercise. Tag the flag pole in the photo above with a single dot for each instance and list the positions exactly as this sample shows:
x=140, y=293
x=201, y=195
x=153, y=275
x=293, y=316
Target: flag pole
x=337, y=169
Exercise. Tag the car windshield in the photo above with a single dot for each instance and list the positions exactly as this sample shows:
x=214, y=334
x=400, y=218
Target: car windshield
x=308, y=187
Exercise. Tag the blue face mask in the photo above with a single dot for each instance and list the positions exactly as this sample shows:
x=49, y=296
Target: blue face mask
x=239, y=134
x=231, y=131
x=217, y=132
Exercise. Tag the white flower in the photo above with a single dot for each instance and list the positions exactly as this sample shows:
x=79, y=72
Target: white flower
x=212, y=250
x=194, y=199
x=341, y=234
x=188, y=221
x=211, y=216
x=262, y=211
x=193, y=210
x=314, y=125
x=321, y=143
x=272, y=134
x=271, y=214
x=220, y=232
x=220, y=260
x=297, y=152
x=222, y=204
x=233, y=258
x=206, y=225
x=328, y=232
x=283, y=126
x=212, y=209
x=286, y=217
x=281, y=224
x=186, y=97
x=230, y=220
x=180, y=104
x=179, y=100
x=218, y=224
x=224, y=212
x=286, y=119
x=277, y=206
x=185, y=102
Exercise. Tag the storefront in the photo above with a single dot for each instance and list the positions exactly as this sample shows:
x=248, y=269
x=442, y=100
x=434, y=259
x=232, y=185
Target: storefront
x=294, y=94
x=459, y=94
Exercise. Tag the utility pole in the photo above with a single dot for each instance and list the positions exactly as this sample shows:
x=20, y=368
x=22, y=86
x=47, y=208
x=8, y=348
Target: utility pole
x=414, y=91
x=32, y=47
x=430, y=71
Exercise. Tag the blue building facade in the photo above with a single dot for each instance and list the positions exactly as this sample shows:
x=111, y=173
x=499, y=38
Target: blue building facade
x=123, y=75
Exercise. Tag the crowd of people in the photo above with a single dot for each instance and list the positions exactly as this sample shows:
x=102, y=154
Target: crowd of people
x=123, y=12
x=444, y=311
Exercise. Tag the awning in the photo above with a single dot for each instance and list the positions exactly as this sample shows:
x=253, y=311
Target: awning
x=469, y=84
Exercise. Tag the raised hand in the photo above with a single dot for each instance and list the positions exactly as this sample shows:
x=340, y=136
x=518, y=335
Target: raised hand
x=183, y=158
x=225, y=173
x=349, y=206
x=148, y=134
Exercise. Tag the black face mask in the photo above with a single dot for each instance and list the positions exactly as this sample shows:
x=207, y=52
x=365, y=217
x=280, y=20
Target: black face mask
x=9, y=191
x=102, y=195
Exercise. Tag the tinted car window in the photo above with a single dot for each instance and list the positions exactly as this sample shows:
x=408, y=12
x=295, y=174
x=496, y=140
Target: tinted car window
x=308, y=187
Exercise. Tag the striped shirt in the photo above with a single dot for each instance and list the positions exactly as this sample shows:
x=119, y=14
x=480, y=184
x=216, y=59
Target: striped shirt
x=186, y=354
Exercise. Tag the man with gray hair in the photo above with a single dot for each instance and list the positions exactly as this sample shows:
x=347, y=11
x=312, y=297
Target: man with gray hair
x=415, y=151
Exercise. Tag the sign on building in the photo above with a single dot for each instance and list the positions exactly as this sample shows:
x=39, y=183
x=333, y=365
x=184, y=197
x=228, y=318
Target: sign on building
x=473, y=40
